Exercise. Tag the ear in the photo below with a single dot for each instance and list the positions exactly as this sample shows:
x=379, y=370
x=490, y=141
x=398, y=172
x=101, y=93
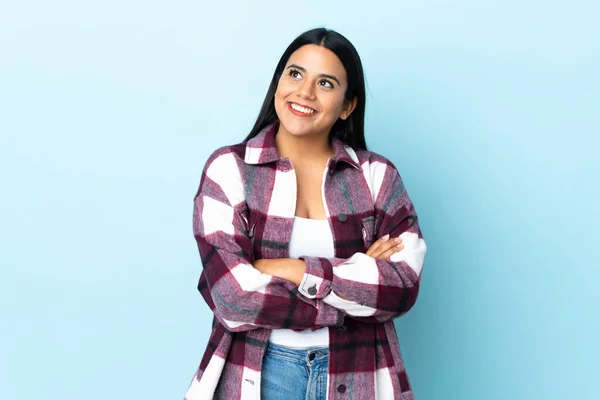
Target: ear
x=349, y=106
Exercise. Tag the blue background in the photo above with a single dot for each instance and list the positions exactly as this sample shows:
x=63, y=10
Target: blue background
x=108, y=111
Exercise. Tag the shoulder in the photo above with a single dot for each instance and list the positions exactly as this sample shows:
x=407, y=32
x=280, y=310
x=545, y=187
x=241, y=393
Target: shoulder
x=224, y=165
x=382, y=176
x=222, y=176
x=371, y=161
x=226, y=156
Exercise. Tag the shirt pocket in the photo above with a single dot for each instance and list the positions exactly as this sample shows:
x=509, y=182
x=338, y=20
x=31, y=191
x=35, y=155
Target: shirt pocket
x=368, y=231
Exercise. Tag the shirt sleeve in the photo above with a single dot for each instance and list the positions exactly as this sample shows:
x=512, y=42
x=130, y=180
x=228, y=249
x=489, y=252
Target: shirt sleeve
x=365, y=287
x=241, y=297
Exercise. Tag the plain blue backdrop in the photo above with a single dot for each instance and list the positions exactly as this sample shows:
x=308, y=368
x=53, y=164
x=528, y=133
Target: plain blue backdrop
x=108, y=111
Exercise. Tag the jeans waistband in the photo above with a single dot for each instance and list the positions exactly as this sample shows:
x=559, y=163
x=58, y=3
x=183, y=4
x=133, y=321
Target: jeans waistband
x=297, y=354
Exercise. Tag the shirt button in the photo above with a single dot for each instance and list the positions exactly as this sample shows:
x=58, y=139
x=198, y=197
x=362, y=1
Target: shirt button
x=342, y=329
x=343, y=217
x=312, y=290
x=341, y=388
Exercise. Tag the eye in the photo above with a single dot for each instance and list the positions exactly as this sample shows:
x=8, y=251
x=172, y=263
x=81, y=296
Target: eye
x=294, y=73
x=326, y=83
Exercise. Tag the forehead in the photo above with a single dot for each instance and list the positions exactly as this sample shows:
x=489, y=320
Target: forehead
x=318, y=60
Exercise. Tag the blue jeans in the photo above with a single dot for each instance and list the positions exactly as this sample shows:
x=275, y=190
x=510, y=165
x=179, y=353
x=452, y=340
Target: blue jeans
x=294, y=374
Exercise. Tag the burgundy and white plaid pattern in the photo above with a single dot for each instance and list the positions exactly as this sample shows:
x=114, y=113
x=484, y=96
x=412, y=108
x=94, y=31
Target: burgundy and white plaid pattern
x=244, y=210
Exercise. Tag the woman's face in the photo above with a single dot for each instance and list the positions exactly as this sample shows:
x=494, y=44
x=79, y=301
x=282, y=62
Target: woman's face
x=310, y=93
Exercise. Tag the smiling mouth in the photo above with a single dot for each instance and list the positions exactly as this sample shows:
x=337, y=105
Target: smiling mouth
x=301, y=109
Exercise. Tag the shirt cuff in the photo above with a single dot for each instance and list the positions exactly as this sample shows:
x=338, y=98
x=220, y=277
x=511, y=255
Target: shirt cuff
x=316, y=282
x=348, y=306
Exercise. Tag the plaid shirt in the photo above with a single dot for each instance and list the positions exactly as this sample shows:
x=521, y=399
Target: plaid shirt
x=244, y=210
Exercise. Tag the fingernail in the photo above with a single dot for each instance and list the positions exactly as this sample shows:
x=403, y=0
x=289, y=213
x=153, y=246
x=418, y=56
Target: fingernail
x=387, y=236
x=398, y=240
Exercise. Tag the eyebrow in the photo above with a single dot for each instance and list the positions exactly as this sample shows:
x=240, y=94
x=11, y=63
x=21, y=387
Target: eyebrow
x=321, y=75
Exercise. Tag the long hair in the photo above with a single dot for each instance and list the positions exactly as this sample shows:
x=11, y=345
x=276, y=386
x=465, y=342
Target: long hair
x=351, y=130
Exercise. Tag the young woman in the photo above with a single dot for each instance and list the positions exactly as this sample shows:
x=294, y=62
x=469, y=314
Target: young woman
x=310, y=244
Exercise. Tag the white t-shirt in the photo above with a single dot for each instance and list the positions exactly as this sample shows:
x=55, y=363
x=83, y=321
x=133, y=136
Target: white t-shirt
x=310, y=237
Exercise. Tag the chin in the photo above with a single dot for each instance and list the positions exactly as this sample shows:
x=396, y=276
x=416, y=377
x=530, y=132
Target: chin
x=296, y=128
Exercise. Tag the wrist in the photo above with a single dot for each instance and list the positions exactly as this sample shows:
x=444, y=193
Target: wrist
x=290, y=269
x=293, y=270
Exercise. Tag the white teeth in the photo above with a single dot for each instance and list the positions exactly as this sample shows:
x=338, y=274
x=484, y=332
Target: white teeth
x=302, y=109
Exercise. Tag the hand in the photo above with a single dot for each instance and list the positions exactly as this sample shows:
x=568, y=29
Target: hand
x=263, y=265
x=290, y=269
x=384, y=247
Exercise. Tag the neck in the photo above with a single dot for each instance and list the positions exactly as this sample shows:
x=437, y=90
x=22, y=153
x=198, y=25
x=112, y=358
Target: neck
x=299, y=148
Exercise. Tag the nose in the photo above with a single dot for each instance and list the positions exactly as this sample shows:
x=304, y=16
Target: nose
x=306, y=91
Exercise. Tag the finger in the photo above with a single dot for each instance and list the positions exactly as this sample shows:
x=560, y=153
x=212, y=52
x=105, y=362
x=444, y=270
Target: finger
x=386, y=255
x=377, y=244
x=384, y=247
x=390, y=245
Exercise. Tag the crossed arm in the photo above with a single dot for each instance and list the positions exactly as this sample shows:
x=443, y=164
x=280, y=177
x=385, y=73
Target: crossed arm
x=293, y=270
x=363, y=286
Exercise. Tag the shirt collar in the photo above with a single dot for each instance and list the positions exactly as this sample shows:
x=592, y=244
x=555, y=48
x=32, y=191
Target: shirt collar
x=261, y=148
